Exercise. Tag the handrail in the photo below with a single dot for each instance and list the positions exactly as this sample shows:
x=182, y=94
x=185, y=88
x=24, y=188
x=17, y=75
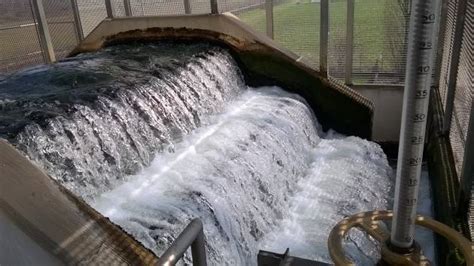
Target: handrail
x=192, y=235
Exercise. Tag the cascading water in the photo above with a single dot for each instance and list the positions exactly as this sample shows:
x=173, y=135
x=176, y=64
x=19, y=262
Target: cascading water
x=155, y=135
x=92, y=120
x=244, y=173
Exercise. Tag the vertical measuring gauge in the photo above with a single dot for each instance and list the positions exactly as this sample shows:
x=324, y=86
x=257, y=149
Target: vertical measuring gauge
x=418, y=82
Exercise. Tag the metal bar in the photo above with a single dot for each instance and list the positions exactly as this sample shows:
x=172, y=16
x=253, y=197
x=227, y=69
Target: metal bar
x=324, y=38
x=214, y=7
x=349, y=42
x=454, y=65
x=77, y=20
x=127, y=7
x=109, y=9
x=418, y=78
x=18, y=26
x=193, y=236
x=269, y=17
x=187, y=7
x=440, y=47
x=43, y=31
x=467, y=172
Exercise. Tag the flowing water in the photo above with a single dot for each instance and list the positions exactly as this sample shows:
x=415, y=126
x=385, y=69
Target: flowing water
x=153, y=136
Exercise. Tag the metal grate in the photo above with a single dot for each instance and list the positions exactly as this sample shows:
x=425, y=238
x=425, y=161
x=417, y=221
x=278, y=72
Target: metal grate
x=157, y=7
x=296, y=27
x=19, y=44
x=60, y=19
x=447, y=48
x=337, y=38
x=380, y=39
x=92, y=12
x=252, y=12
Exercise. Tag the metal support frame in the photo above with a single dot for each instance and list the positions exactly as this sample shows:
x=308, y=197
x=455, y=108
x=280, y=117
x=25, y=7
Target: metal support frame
x=109, y=9
x=43, y=31
x=193, y=236
x=128, y=8
x=454, y=65
x=187, y=7
x=324, y=38
x=269, y=17
x=214, y=7
x=77, y=20
x=349, y=42
x=440, y=47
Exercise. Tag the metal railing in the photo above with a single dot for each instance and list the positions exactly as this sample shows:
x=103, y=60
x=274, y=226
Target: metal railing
x=192, y=235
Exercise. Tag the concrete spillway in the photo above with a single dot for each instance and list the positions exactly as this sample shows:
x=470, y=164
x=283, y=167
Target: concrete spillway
x=95, y=120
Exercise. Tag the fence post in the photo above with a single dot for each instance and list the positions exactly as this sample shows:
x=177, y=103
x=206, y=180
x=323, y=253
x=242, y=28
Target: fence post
x=324, y=37
x=269, y=17
x=187, y=7
x=109, y=9
x=214, y=7
x=127, y=7
x=43, y=32
x=349, y=42
x=454, y=65
x=77, y=20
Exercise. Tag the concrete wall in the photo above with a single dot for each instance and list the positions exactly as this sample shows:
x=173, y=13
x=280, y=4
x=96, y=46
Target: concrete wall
x=34, y=207
x=388, y=101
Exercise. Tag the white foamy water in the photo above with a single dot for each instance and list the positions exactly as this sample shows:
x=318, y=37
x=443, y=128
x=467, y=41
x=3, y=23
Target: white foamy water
x=259, y=175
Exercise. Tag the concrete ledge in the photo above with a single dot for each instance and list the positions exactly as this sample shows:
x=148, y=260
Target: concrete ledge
x=58, y=221
x=261, y=59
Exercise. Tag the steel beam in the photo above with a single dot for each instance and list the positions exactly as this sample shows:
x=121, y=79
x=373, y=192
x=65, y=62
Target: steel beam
x=187, y=7
x=109, y=9
x=214, y=7
x=43, y=31
x=324, y=38
x=77, y=20
x=127, y=7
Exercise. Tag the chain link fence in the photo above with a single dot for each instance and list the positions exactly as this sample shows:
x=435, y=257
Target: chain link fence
x=19, y=44
x=457, y=89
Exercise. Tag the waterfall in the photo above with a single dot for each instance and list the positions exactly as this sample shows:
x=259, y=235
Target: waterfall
x=93, y=120
x=154, y=135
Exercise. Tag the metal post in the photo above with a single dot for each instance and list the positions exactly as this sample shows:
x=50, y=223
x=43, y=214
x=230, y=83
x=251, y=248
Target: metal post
x=77, y=20
x=193, y=236
x=467, y=172
x=43, y=31
x=324, y=38
x=269, y=17
x=454, y=65
x=109, y=9
x=349, y=42
x=187, y=7
x=127, y=7
x=419, y=70
x=214, y=7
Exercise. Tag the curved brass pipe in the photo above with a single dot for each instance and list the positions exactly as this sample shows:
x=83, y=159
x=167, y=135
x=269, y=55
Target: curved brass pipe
x=370, y=223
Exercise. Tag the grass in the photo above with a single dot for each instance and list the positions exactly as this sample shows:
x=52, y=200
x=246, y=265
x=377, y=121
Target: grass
x=296, y=27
